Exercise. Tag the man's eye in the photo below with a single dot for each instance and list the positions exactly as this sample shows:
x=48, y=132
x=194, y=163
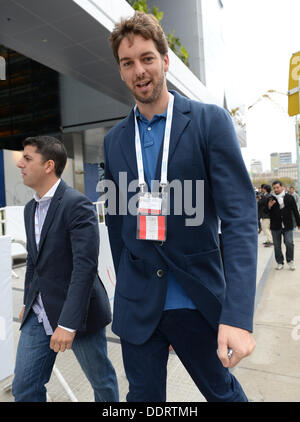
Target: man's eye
x=148, y=59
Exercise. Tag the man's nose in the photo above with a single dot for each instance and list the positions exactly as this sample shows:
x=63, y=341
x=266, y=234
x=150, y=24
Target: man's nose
x=139, y=70
x=20, y=163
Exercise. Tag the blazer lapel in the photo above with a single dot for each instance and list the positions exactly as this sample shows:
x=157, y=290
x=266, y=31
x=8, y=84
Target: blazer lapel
x=31, y=230
x=55, y=201
x=179, y=123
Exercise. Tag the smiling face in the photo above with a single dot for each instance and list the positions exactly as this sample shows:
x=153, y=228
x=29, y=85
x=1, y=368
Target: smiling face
x=143, y=69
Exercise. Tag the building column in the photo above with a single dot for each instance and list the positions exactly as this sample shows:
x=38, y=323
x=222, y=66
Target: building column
x=78, y=166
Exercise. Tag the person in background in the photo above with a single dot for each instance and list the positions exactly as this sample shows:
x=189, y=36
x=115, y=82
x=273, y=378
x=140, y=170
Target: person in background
x=282, y=207
x=295, y=195
x=264, y=215
x=258, y=198
x=65, y=302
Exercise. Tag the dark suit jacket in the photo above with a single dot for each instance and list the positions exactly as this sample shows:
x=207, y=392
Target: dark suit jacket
x=64, y=269
x=203, y=146
x=262, y=204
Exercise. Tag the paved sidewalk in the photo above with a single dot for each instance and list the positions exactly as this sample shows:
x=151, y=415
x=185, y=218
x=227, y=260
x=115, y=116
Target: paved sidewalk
x=271, y=373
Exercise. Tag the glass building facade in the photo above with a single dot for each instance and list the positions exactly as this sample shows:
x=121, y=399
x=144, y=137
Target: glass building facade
x=29, y=100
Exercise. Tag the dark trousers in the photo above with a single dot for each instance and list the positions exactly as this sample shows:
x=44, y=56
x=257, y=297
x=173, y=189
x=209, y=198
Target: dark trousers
x=289, y=244
x=195, y=343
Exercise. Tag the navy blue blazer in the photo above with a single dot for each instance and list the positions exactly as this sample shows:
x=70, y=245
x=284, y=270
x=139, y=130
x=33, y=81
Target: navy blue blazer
x=65, y=268
x=203, y=146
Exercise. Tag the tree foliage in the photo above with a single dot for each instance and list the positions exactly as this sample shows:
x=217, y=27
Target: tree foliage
x=173, y=41
x=259, y=180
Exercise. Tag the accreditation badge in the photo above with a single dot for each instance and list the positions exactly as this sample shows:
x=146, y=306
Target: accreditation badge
x=151, y=217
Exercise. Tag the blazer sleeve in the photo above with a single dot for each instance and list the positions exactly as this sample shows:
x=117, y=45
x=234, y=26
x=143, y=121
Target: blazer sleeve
x=84, y=235
x=236, y=206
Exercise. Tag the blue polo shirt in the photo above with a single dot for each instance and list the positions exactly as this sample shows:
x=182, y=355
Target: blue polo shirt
x=152, y=135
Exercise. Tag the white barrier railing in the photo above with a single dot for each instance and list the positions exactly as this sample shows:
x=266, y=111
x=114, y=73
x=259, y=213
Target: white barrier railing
x=12, y=224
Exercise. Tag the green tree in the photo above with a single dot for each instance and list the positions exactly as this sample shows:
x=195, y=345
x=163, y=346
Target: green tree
x=174, y=42
x=140, y=5
x=258, y=181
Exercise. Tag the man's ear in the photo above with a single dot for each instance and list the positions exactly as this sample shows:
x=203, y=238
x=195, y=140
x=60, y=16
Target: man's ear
x=166, y=61
x=50, y=166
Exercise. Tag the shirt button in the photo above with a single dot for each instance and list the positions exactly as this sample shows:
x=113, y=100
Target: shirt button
x=160, y=273
x=149, y=128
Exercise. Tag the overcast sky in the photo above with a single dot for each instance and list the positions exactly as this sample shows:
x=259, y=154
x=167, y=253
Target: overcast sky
x=261, y=36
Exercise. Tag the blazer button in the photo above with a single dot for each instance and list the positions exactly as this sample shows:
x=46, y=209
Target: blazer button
x=160, y=273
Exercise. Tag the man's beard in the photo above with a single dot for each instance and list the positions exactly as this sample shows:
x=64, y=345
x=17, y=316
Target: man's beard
x=156, y=93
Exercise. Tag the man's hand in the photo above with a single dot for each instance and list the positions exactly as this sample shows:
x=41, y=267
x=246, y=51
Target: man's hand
x=61, y=340
x=240, y=341
x=271, y=203
x=22, y=313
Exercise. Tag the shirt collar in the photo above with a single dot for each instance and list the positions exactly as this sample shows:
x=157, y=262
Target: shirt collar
x=48, y=195
x=155, y=117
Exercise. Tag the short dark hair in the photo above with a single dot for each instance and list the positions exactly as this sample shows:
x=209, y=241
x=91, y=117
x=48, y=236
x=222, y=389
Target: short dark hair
x=50, y=148
x=277, y=182
x=267, y=188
